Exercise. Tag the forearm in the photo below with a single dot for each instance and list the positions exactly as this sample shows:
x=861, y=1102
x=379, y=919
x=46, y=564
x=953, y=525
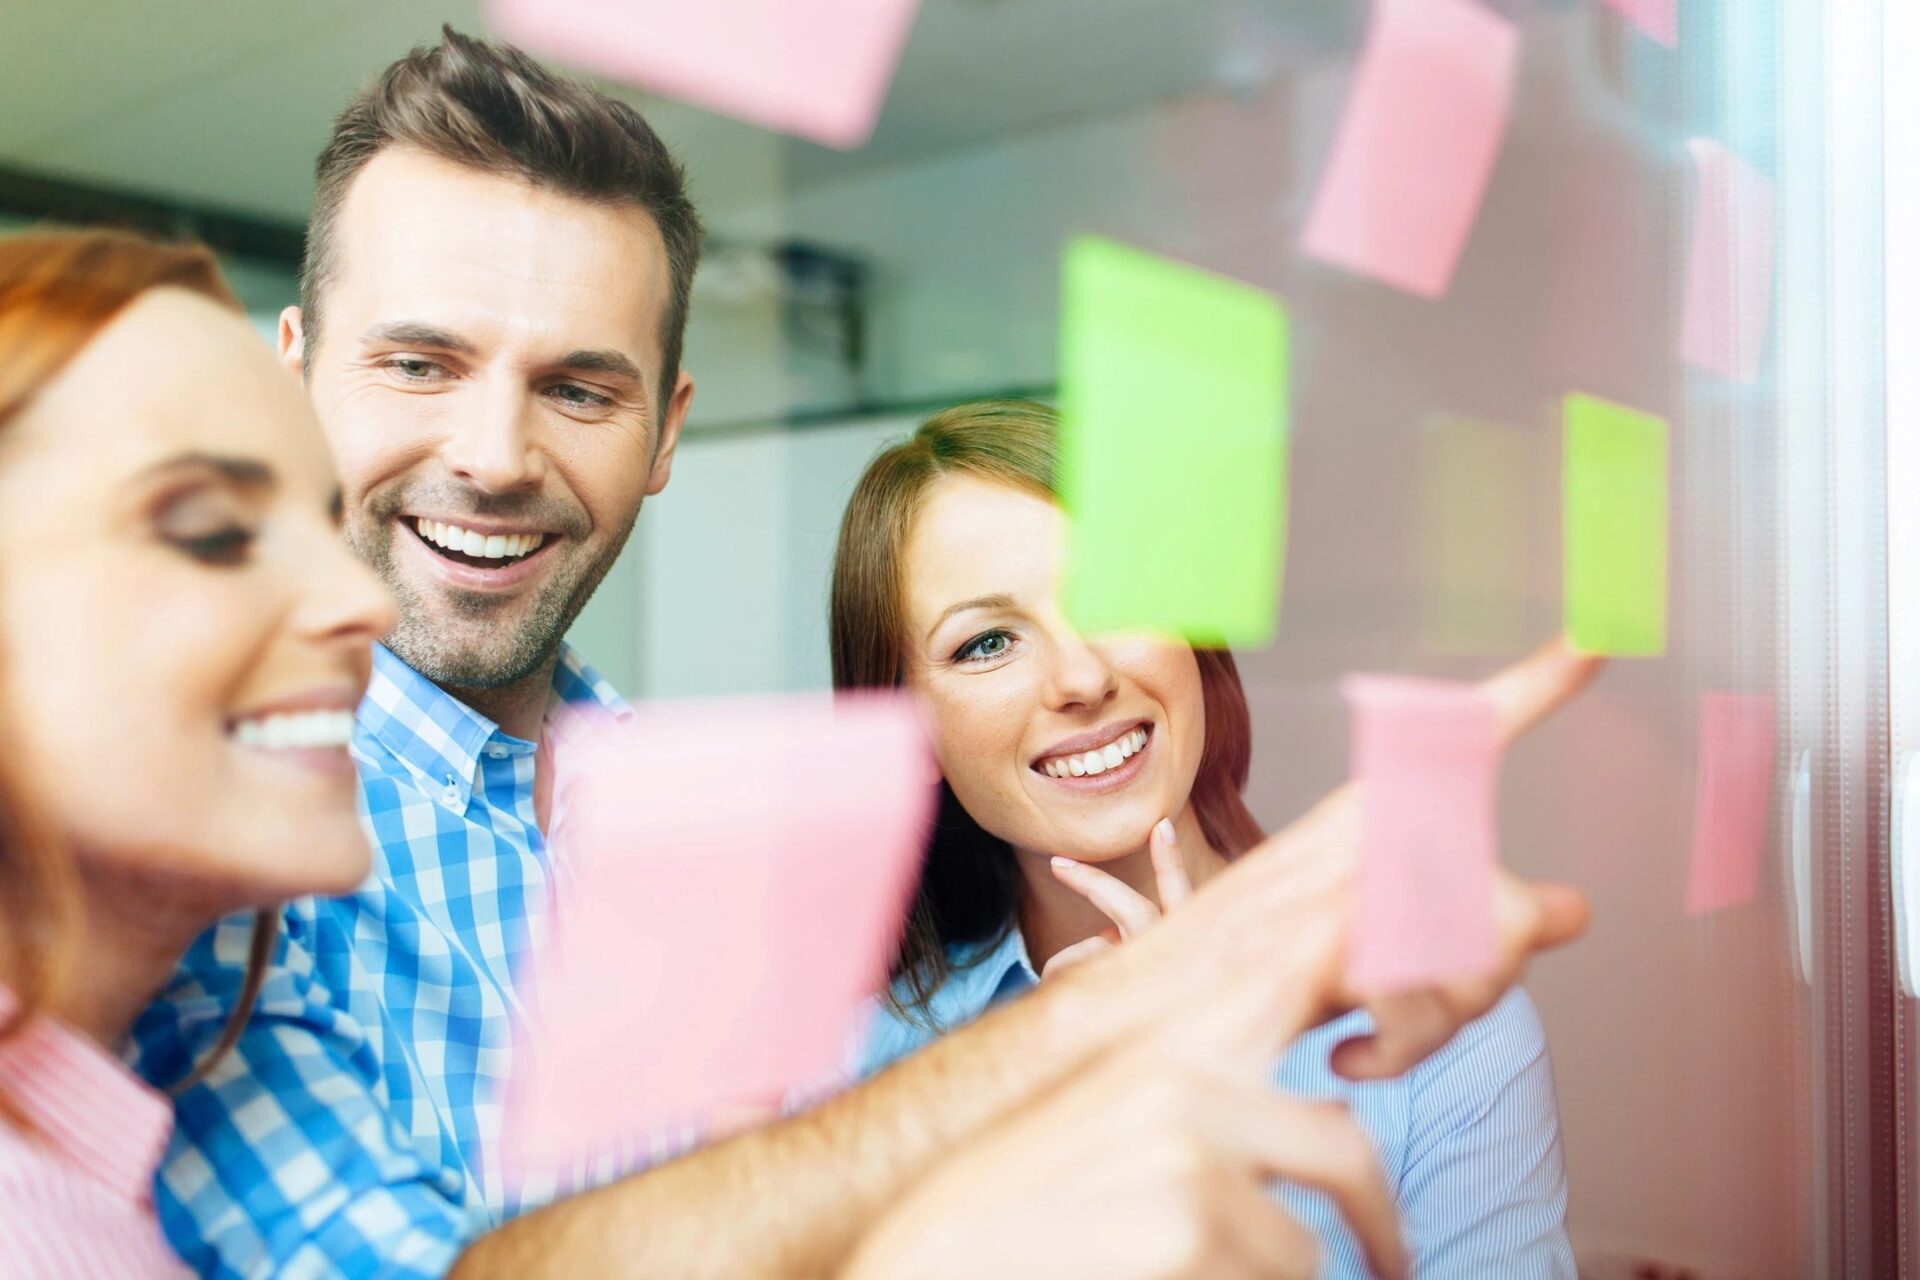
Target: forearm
x=793, y=1198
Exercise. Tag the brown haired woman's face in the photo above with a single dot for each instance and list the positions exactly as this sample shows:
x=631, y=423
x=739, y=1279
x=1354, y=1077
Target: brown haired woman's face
x=1056, y=744
x=183, y=634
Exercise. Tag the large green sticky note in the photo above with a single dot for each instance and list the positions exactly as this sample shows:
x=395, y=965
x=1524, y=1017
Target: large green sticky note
x=1173, y=447
x=1614, y=491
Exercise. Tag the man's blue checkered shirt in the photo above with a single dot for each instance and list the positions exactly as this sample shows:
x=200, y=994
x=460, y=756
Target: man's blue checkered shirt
x=352, y=1132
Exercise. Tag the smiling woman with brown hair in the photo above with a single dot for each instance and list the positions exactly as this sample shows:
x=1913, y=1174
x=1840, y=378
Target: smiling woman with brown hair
x=184, y=640
x=1088, y=785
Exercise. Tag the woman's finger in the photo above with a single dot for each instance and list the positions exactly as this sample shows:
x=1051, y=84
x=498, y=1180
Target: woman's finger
x=1317, y=1145
x=1408, y=1026
x=1169, y=869
x=1067, y=957
x=1268, y=1243
x=1539, y=684
x=1130, y=912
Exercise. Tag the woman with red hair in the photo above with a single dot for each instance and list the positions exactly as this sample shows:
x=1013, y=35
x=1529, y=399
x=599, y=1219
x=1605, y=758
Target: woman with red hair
x=183, y=640
x=1088, y=784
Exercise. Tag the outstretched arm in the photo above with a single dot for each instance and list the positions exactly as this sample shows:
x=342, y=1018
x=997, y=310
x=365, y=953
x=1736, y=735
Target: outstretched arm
x=794, y=1198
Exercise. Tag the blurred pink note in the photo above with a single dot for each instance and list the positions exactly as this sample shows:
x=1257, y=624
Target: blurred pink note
x=1658, y=18
x=1729, y=264
x=1732, y=799
x=816, y=69
x=1416, y=147
x=1426, y=754
x=735, y=877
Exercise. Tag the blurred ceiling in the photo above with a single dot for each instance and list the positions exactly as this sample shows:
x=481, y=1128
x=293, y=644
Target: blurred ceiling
x=225, y=103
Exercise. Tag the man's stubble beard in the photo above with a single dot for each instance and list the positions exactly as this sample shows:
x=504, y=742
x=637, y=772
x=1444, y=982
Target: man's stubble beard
x=493, y=659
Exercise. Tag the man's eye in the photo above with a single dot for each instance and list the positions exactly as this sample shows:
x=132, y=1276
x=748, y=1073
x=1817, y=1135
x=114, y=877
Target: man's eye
x=417, y=370
x=579, y=397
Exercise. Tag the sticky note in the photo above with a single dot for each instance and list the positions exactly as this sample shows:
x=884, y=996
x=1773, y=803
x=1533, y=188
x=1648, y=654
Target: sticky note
x=817, y=70
x=732, y=883
x=1614, y=538
x=1658, y=18
x=1732, y=799
x=1416, y=146
x=1426, y=755
x=1730, y=259
x=1173, y=447
x=1474, y=536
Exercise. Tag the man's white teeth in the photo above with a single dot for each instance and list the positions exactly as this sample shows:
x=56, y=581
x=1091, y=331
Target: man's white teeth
x=484, y=546
x=1089, y=763
x=295, y=730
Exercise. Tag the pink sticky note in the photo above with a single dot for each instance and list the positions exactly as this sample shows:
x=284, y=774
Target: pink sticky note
x=1426, y=754
x=1658, y=18
x=1729, y=264
x=816, y=69
x=1416, y=147
x=1732, y=799
x=736, y=874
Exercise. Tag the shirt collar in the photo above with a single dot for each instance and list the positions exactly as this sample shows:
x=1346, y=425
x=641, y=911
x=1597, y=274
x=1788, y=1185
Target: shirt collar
x=995, y=971
x=85, y=1104
x=441, y=739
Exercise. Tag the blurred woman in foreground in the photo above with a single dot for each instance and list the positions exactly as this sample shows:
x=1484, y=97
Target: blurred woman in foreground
x=183, y=640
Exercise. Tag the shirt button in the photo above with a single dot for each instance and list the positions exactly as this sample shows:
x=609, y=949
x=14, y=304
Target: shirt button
x=498, y=751
x=451, y=796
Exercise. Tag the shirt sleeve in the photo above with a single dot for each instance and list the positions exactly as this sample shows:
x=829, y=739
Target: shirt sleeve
x=1484, y=1188
x=286, y=1160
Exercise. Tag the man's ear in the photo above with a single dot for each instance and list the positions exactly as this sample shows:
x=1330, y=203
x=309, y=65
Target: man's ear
x=670, y=423
x=293, y=341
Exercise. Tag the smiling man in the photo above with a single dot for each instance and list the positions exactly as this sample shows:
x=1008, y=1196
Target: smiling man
x=493, y=305
x=494, y=373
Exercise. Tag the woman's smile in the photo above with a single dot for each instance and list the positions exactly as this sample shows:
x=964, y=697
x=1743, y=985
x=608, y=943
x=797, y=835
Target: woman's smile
x=1117, y=757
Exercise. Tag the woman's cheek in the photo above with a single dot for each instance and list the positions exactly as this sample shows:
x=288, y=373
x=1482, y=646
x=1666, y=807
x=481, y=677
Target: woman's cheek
x=976, y=739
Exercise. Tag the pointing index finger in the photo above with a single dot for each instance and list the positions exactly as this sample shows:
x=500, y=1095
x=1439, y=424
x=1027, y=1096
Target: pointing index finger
x=1535, y=687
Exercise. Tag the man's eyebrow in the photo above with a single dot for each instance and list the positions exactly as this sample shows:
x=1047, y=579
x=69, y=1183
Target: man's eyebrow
x=412, y=333
x=978, y=602
x=246, y=473
x=604, y=360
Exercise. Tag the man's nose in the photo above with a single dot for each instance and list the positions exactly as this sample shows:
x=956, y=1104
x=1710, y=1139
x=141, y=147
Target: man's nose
x=494, y=447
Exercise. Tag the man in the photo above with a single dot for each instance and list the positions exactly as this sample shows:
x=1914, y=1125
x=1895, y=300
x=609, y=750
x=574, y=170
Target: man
x=493, y=302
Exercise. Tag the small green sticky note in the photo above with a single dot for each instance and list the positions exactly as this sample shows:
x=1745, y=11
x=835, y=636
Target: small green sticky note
x=1615, y=542
x=1173, y=447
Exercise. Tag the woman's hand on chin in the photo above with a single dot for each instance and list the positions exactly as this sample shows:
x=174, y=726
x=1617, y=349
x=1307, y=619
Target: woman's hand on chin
x=1132, y=913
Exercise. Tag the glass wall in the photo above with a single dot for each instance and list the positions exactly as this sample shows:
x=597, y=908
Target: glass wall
x=1713, y=226
x=1722, y=1070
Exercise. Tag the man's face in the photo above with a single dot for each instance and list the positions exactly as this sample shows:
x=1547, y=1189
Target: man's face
x=488, y=373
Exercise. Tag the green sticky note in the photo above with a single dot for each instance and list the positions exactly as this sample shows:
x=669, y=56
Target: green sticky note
x=1173, y=447
x=1614, y=492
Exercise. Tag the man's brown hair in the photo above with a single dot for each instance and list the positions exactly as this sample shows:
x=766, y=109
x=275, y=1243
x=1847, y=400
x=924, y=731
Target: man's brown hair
x=493, y=108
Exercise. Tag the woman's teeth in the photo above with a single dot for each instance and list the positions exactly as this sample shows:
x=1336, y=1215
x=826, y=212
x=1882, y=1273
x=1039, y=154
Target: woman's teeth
x=494, y=546
x=1089, y=763
x=297, y=730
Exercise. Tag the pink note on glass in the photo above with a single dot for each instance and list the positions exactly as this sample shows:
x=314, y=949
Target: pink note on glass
x=816, y=69
x=1729, y=264
x=1423, y=126
x=1658, y=18
x=1426, y=754
x=1732, y=799
x=732, y=884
